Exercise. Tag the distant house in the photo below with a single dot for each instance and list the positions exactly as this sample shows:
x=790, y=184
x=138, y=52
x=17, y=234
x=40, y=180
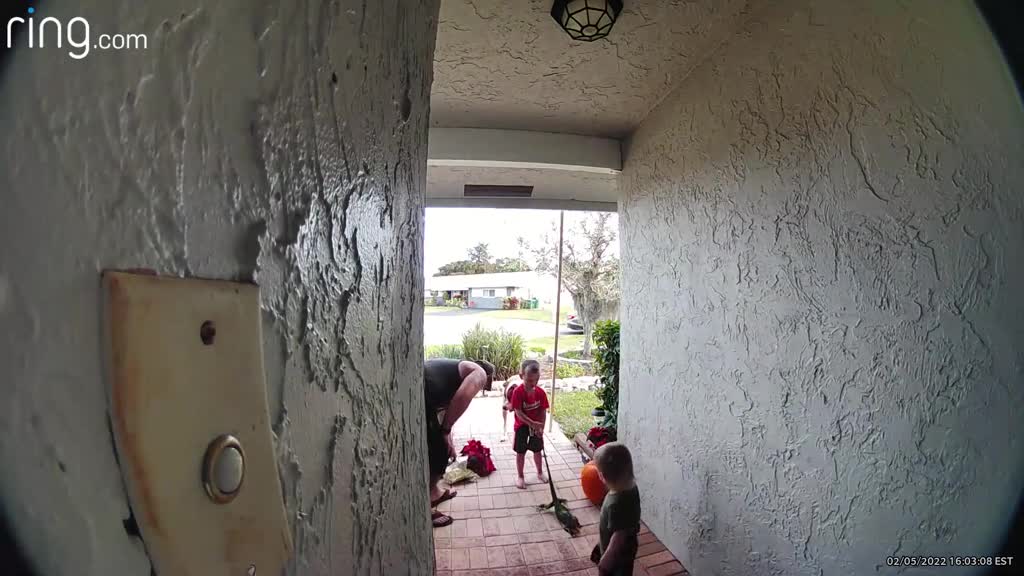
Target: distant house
x=490, y=290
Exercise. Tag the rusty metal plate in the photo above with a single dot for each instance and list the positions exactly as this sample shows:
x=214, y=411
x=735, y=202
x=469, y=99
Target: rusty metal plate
x=186, y=368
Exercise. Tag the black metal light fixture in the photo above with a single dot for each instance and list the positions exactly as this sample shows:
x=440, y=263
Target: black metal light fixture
x=586, y=20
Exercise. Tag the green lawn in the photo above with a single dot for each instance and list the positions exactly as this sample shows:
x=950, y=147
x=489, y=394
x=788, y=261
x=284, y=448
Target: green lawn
x=572, y=411
x=565, y=342
x=538, y=314
x=438, y=309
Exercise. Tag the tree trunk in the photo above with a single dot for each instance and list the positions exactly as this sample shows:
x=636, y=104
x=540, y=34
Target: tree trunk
x=591, y=308
x=588, y=311
x=588, y=332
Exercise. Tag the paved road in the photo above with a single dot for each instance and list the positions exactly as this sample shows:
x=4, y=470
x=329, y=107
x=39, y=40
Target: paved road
x=447, y=327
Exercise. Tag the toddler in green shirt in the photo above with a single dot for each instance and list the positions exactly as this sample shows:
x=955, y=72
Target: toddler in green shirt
x=620, y=514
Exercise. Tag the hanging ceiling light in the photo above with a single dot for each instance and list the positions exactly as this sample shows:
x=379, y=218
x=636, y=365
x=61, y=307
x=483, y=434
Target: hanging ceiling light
x=586, y=20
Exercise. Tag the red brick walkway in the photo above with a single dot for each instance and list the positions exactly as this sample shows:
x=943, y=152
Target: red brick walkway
x=498, y=530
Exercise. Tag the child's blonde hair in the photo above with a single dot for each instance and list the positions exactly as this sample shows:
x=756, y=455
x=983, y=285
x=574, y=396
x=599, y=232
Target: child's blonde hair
x=615, y=463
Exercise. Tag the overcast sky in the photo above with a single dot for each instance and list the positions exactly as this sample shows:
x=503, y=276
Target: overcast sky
x=451, y=232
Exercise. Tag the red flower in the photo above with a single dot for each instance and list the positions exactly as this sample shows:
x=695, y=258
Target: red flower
x=599, y=436
x=479, y=458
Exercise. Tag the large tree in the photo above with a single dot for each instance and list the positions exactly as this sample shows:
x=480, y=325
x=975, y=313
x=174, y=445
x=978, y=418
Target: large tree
x=479, y=262
x=460, y=267
x=590, y=268
x=510, y=265
x=480, y=254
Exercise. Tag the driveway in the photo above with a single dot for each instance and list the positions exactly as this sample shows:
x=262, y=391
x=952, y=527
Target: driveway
x=447, y=327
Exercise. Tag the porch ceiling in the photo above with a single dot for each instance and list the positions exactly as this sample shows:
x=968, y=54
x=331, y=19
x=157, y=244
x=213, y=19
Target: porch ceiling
x=565, y=171
x=560, y=189
x=506, y=64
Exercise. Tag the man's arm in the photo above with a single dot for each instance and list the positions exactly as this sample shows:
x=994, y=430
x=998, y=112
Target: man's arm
x=612, y=557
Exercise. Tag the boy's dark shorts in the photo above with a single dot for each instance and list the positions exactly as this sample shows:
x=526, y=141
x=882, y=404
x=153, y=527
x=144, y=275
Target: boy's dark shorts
x=626, y=566
x=526, y=441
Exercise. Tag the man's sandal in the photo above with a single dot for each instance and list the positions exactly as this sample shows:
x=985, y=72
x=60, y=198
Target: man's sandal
x=448, y=495
x=440, y=520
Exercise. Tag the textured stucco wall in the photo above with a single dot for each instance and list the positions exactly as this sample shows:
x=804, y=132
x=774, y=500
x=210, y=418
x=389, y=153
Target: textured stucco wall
x=281, y=142
x=822, y=229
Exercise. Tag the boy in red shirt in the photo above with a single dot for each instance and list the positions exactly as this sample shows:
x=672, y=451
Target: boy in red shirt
x=530, y=404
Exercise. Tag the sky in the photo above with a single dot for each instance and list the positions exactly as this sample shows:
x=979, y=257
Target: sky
x=451, y=232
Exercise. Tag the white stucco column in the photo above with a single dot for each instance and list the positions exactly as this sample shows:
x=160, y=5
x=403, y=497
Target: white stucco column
x=276, y=142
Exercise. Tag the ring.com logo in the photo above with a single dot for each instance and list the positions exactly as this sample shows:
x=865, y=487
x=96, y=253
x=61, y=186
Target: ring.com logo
x=76, y=33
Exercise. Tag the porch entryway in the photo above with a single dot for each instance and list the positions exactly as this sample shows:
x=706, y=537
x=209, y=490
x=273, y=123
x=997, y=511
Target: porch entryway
x=498, y=530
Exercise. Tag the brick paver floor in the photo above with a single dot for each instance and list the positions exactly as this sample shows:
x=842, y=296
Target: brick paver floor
x=498, y=530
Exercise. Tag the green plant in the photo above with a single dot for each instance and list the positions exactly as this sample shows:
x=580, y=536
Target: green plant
x=443, y=351
x=572, y=411
x=501, y=348
x=569, y=370
x=606, y=336
x=538, y=350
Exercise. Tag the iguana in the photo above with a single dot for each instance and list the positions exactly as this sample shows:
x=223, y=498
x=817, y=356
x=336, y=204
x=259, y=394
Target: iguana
x=569, y=522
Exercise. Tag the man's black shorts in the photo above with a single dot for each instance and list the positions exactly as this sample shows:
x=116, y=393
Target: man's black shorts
x=437, y=448
x=526, y=441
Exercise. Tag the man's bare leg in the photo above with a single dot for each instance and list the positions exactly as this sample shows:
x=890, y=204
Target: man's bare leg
x=537, y=459
x=435, y=492
x=520, y=462
x=437, y=518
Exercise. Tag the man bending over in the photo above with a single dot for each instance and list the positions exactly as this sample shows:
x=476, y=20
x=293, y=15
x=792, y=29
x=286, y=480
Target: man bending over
x=448, y=388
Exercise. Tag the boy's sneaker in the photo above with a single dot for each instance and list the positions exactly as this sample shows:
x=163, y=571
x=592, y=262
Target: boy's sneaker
x=520, y=483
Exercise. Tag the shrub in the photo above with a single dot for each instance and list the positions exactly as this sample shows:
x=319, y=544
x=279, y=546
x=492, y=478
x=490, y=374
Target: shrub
x=606, y=336
x=501, y=348
x=568, y=370
x=443, y=351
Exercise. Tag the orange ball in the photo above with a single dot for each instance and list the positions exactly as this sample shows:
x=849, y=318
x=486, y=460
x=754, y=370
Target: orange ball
x=593, y=488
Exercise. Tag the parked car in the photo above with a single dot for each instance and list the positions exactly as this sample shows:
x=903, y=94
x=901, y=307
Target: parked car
x=574, y=323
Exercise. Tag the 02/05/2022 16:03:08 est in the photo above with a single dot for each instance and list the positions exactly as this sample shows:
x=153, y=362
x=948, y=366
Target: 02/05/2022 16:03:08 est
x=951, y=560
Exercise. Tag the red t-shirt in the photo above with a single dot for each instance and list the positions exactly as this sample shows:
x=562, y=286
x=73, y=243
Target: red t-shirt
x=532, y=403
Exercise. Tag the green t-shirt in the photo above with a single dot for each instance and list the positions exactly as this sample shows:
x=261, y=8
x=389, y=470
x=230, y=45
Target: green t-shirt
x=620, y=511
